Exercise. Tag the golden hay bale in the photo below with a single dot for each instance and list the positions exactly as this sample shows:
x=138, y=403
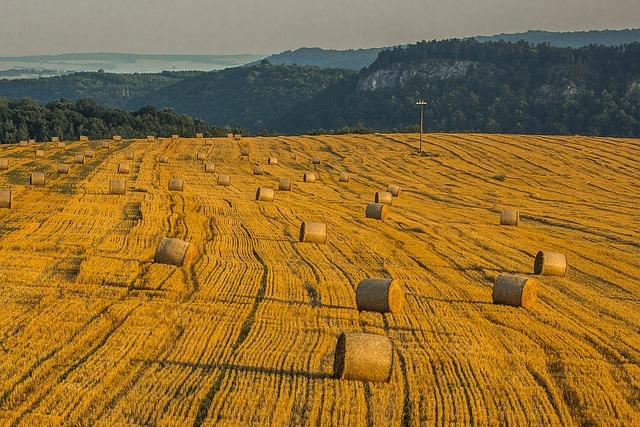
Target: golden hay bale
x=272, y=161
x=309, y=177
x=151, y=138
x=163, y=159
x=175, y=136
x=224, y=180
x=380, y=295
x=376, y=211
x=258, y=170
x=4, y=164
x=209, y=167
x=37, y=178
x=23, y=142
x=394, y=190
x=176, y=184
x=344, y=177
x=39, y=153
x=61, y=145
x=510, y=217
x=124, y=167
x=106, y=144
x=515, y=290
x=201, y=156
x=89, y=153
x=383, y=197
x=363, y=357
x=55, y=139
x=32, y=141
x=313, y=232
x=6, y=198
x=116, y=138
x=171, y=252
x=265, y=194
x=284, y=184
x=244, y=150
x=84, y=138
x=230, y=135
x=118, y=186
x=129, y=155
x=79, y=159
x=199, y=135
x=550, y=264
x=316, y=160
x=62, y=168
x=237, y=137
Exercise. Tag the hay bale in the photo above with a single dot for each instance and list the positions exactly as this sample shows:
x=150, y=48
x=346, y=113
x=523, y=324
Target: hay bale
x=284, y=184
x=37, y=178
x=4, y=164
x=61, y=145
x=230, y=135
x=176, y=184
x=515, y=290
x=209, y=167
x=199, y=135
x=309, y=177
x=363, y=357
x=201, y=156
x=62, y=168
x=6, y=198
x=55, y=139
x=129, y=155
x=258, y=170
x=23, y=142
x=79, y=159
x=208, y=142
x=510, y=217
x=237, y=137
x=344, y=177
x=313, y=232
x=151, y=138
x=376, y=211
x=32, y=141
x=383, y=197
x=244, y=151
x=118, y=186
x=124, y=167
x=272, y=161
x=171, y=252
x=117, y=138
x=163, y=159
x=39, y=153
x=224, y=180
x=379, y=295
x=550, y=264
x=175, y=136
x=106, y=144
x=84, y=138
x=265, y=194
x=89, y=153
x=394, y=190
x=316, y=160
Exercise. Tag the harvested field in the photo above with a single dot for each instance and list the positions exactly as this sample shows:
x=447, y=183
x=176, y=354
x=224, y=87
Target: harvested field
x=245, y=331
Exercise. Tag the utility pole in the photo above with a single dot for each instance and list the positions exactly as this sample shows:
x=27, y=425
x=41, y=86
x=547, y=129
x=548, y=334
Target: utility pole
x=421, y=103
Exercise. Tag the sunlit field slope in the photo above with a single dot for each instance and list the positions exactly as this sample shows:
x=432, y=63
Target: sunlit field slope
x=93, y=331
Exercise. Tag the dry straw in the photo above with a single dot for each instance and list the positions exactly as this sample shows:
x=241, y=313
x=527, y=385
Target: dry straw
x=272, y=161
x=363, y=357
x=383, y=197
x=39, y=153
x=244, y=150
x=550, y=264
x=344, y=177
x=84, y=138
x=163, y=159
x=313, y=232
x=176, y=184
x=62, y=168
x=6, y=198
x=309, y=177
x=105, y=144
x=123, y=167
x=258, y=170
x=265, y=194
x=379, y=295
x=61, y=145
x=394, y=190
x=316, y=160
x=79, y=159
x=171, y=252
x=209, y=167
x=284, y=184
x=37, y=178
x=201, y=156
x=376, y=211
x=4, y=164
x=224, y=180
x=510, y=217
x=118, y=186
x=89, y=153
x=515, y=290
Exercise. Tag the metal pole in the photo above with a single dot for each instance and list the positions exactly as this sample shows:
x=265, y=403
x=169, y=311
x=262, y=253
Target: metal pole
x=421, y=125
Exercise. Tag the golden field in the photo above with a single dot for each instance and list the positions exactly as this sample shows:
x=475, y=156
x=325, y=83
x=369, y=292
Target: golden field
x=92, y=331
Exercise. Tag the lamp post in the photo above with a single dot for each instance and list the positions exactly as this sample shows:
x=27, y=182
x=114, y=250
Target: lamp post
x=421, y=103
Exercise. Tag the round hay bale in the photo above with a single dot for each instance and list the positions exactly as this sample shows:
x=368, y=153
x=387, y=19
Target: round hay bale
x=201, y=156
x=376, y=211
x=284, y=184
x=89, y=153
x=39, y=153
x=129, y=155
x=515, y=290
x=84, y=138
x=209, y=167
x=265, y=194
x=79, y=159
x=383, y=197
x=106, y=144
x=379, y=295
x=163, y=159
x=394, y=190
x=62, y=168
x=363, y=357
x=244, y=150
x=171, y=252
x=313, y=232
x=316, y=160
x=309, y=177
x=6, y=198
x=344, y=177
x=4, y=164
x=118, y=186
x=258, y=170
x=550, y=264
x=37, y=178
x=272, y=161
x=124, y=167
x=224, y=180
x=61, y=145
x=151, y=138
x=176, y=184
x=510, y=217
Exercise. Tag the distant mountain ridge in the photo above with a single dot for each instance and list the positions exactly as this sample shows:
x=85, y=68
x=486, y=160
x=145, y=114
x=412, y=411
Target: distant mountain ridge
x=352, y=59
x=574, y=39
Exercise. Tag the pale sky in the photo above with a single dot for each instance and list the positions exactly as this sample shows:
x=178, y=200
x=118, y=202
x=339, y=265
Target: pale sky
x=268, y=26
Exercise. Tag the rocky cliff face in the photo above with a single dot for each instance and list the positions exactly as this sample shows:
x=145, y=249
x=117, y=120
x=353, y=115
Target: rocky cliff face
x=397, y=75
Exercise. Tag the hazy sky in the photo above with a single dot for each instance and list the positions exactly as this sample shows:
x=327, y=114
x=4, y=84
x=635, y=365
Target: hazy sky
x=265, y=26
